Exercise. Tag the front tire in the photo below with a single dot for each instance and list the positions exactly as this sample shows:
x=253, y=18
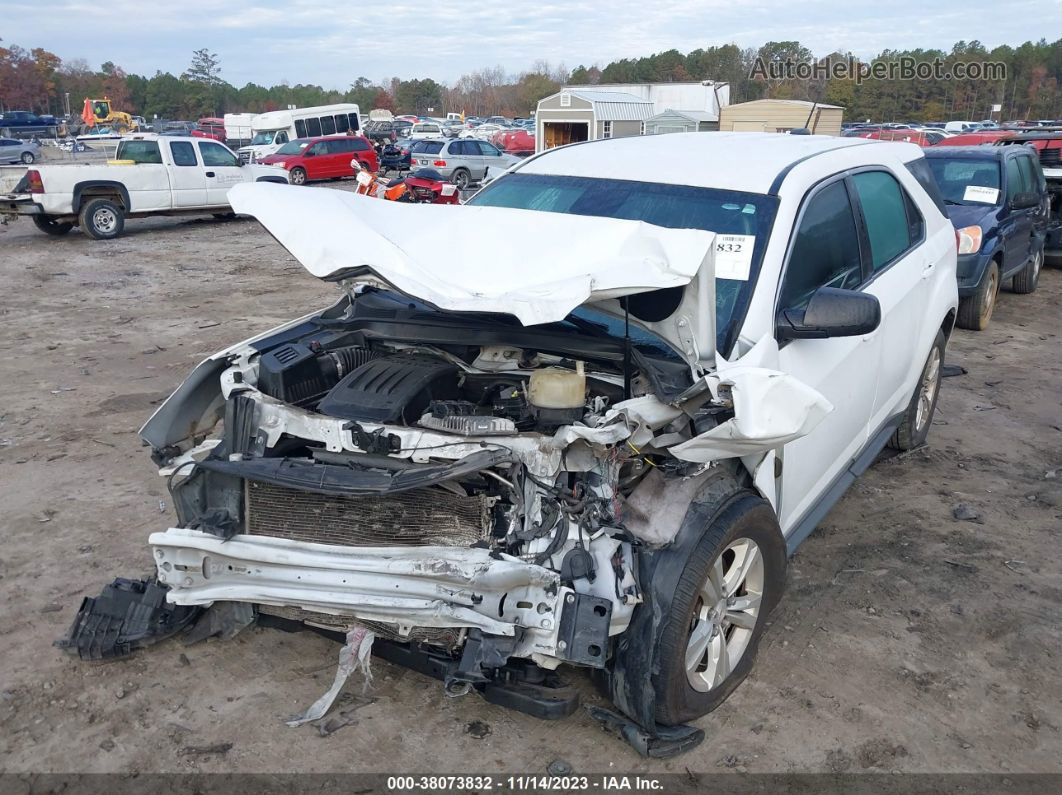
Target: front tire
x=298, y=176
x=914, y=429
x=1025, y=281
x=730, y=583
x=101, y=219
x=975, y=311
x=50, y=226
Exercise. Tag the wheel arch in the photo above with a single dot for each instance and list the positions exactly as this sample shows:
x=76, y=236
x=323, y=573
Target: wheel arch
x=635, y=657
x=103, y=189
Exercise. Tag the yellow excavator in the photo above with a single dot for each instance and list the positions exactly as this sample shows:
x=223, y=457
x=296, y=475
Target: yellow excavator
x=98, y=113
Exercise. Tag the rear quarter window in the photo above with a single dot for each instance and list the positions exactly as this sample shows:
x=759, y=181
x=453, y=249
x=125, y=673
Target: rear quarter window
x=139, y=151
x=920, y=170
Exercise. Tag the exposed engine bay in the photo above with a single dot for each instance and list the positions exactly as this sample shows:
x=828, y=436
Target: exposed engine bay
x=455, y=482
x=336, y=434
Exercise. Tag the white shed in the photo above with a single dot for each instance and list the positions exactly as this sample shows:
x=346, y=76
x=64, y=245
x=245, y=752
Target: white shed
x=584, y=114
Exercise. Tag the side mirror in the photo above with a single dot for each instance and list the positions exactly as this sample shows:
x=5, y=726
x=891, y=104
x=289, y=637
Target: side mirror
x=831, y=312
x=1023, y=201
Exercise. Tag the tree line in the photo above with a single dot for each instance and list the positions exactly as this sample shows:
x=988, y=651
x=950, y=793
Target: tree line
x=43, y=82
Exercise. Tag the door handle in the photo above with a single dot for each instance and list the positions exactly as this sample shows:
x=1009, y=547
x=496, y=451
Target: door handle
x=210, y=173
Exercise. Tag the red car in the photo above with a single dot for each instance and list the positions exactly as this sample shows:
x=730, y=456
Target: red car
x=977, y=138
x=327, y=157
x=210, y=127
x=515, y=142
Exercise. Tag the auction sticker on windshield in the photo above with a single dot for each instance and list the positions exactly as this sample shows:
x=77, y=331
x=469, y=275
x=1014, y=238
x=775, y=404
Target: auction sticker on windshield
x=733, y=256
x=976, y=193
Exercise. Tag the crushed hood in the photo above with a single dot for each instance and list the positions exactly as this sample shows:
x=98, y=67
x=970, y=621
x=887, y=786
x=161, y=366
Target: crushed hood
x=537, y=266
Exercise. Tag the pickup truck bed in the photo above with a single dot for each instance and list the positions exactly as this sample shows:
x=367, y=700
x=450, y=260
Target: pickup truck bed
x=150, y=176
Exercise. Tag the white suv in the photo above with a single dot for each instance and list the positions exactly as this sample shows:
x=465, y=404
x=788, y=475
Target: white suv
x=599, y=453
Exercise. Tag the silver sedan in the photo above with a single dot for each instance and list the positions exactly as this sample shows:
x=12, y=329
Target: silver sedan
x=14, y=151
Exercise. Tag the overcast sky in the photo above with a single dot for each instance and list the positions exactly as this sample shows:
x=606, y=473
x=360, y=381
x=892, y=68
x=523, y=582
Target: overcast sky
x=329, y=43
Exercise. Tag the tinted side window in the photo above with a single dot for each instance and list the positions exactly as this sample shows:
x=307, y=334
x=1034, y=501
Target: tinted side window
x=183, y=153
x=825, y=250
x=1032, y=173
x=328, y=125
x=885, y=213
x=358, y=145
x=313, y=127
x=352, y=122
x=300, y=128
x=139, y=151
x=282, y=137
x=920, y=171
x=217, y=155
x=1015, y=183
x=488, y=149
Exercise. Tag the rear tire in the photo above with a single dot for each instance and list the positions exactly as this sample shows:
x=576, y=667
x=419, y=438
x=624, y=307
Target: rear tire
x=914, y=429
x=1025, y=280
x=101, y=219
x=50, y=226
x=461, y=178
x=298, y=176
x=689, y=684
x=27, y=158
x=975, y=311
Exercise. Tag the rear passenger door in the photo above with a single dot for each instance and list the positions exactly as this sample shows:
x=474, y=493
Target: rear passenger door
x=900, y=265
x=493, y=159
x=826, y=251
x=187, y=177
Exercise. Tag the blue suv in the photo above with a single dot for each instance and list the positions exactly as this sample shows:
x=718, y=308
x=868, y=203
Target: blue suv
x=996, y=198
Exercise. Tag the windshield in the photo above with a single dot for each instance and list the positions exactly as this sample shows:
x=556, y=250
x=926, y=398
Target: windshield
x=263, y=138
x=293, y=147
x=671, y=206
x=968, y=180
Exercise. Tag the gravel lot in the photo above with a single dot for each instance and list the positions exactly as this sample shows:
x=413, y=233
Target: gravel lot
x=908, y=640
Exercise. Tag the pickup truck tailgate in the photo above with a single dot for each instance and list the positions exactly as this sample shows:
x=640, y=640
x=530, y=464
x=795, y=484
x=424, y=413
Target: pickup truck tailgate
x=10, y=177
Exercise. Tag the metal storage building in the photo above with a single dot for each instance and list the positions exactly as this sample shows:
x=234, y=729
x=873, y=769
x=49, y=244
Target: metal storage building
x=579, y=114
x=781, y=115
x=681, y=121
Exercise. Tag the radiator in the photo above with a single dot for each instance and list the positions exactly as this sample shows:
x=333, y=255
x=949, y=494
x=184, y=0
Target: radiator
x=422, y=517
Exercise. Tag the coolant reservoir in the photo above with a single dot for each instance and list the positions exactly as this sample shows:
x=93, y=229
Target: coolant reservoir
x=557, y=388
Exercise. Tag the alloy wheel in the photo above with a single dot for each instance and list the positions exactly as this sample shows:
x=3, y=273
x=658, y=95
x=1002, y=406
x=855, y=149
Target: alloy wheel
x=927, y=391
x=725, y=616
x=990, y=297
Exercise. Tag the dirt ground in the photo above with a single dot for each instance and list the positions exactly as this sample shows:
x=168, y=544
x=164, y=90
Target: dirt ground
x=908, y=640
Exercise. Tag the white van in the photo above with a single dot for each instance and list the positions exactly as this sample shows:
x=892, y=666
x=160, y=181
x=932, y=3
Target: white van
x=274, y=129
x=238, y=129
x=961, y=126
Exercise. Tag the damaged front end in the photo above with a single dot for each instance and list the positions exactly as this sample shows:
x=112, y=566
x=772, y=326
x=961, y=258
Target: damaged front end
x=479, y=491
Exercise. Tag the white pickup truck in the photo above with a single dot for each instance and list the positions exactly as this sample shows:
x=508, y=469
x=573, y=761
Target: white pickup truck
x=150, y=175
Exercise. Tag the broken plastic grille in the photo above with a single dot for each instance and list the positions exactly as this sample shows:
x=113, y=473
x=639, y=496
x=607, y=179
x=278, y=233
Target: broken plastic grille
x=423, y=517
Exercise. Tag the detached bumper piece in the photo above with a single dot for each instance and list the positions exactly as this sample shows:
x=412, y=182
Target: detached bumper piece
x=126, y=616
x=663, y=742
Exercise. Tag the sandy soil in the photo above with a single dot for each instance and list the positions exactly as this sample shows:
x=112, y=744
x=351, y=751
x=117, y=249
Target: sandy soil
x=908, y=640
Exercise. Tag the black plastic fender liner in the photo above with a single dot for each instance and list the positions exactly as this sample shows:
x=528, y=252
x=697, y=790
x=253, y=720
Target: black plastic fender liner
x=635, y=657
x=127, y=615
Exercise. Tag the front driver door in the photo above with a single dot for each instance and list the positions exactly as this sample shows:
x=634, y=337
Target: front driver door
x=1018, y=223
x=826, y=251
